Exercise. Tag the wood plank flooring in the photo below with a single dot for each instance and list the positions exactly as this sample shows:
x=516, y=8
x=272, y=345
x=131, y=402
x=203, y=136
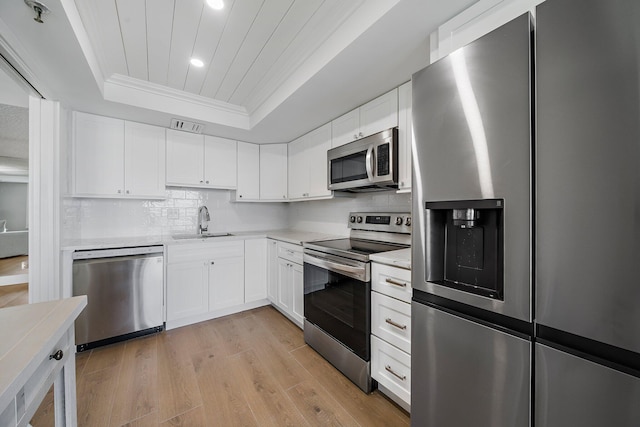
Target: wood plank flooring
x=13, y=265
x=248, y=369
x=11, y=295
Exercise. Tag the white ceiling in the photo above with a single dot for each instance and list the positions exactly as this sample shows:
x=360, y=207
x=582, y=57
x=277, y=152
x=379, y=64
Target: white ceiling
x=274, y=69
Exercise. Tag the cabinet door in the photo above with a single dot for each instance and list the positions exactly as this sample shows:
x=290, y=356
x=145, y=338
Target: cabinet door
x=345, y=128
x=248, y=171
x=297, y=290
x=379, y=114
x=187, y=289
x=220, y=162
x=298, y=168
x=185, y=165
x=144, y=160
x=226, y=282
x=272, y=271
x=255, y=269
x=98, y=155
x=319, y=144
x=284, y=285
x=273, y=172
x=405, y=136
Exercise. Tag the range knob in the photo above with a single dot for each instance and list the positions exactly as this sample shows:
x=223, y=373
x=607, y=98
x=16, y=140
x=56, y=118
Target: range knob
x=399, y=220
x=359, y=219
x=407, y=221
x=352, y=218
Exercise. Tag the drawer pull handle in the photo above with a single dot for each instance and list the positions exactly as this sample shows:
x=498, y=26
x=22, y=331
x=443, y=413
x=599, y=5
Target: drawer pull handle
x=395, y=282
x=401, y=377
x=397, y=325
x=57, y=355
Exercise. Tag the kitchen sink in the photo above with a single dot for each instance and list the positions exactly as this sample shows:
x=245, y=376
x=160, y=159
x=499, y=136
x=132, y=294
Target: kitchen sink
x=199, y=236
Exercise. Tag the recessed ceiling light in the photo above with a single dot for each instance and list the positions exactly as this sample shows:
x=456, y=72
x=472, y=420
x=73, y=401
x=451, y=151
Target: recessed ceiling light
x=215, y=4
x=196, y=62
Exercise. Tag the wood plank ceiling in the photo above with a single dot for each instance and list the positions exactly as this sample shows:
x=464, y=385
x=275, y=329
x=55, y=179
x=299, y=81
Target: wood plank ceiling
x=248, y=48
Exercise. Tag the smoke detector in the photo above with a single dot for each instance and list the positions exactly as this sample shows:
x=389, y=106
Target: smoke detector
x=185, y=126
x=39, y=8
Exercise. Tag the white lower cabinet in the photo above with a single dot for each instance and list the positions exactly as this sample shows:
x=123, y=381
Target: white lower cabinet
x=286, y=280
x=207, y=280
x=391, y=331
x=272, y=271
x=391, y=367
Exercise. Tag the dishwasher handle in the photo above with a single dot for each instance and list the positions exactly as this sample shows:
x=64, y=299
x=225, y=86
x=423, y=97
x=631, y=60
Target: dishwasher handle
x=118, y=252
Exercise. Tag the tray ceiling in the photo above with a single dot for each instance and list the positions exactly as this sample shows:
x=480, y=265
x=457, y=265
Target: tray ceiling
x=250, y=48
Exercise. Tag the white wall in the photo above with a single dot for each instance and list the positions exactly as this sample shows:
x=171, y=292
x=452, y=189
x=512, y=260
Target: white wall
x=330, y=216
x=95, y=218
x=13, y=204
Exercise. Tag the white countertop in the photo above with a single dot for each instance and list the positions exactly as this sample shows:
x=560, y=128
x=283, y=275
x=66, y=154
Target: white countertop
x=398, y=258
x=291, y=236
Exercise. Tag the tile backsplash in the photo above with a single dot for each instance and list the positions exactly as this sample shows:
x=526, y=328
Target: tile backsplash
x=97, y=218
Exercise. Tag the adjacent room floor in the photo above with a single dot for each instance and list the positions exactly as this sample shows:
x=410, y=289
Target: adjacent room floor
x=251, y=368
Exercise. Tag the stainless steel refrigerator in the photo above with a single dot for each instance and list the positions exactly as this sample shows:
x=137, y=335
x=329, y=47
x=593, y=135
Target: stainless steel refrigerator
x=472, y=313
x=587, y=352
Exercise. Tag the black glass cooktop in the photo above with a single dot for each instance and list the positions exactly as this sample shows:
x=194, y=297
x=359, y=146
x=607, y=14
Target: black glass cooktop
x=353, y=248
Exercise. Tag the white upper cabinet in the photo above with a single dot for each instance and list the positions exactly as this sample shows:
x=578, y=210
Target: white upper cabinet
x=220, y=162
x=319, y=143
x=184, y=158
x=248, y=172
x=144, y=160
x=98, y=148
x=115, y=158
x=405, y=137
x=372, y=117
x=273, y=172
x=200, y=161
x=308, y=165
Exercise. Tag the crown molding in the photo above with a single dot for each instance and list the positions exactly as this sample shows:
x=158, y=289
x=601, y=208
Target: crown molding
x=152, y=96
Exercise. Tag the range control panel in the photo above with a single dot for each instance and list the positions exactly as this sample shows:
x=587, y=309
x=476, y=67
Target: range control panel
x=395, y=222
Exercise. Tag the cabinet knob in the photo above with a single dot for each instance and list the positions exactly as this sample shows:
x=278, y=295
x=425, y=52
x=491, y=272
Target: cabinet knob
x=57, y=355
x=213, y=262
x=119, y=191
x=127, y=191
x=360, y=134
x=201, y=181
x=207, y=182
x=355, y=136
x=241, y=196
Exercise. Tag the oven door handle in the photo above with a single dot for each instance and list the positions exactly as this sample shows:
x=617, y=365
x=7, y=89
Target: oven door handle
x=359, y=273
x=369, y=163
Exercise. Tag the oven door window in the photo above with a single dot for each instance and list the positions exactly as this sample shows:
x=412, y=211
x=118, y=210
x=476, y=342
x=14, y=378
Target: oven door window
x=349, y=168
x=340, y=306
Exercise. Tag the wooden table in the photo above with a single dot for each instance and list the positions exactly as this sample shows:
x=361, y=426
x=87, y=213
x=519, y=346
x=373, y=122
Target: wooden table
x=37, y=349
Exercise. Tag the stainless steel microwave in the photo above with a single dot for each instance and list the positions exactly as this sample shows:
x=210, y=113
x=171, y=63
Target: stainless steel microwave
x=368, y=164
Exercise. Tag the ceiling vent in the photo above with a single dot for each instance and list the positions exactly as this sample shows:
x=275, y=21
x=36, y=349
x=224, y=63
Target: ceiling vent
x=192, y=127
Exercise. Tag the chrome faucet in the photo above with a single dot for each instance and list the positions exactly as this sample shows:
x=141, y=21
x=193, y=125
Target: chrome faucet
x=203, y=217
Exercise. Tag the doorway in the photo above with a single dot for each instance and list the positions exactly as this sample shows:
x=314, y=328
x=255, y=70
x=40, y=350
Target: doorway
x=14, y=193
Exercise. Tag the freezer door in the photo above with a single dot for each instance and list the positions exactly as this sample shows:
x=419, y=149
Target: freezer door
x=472, y=130
x=571, y=391
x=467, y=374
x=588, y=169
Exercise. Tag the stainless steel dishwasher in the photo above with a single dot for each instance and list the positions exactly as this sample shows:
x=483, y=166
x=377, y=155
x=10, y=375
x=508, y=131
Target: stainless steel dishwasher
x=124, y=288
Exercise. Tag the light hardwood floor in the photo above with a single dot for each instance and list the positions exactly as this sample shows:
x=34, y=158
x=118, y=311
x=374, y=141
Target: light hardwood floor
x=249, y=369
x=11, y=295
x=13, y=265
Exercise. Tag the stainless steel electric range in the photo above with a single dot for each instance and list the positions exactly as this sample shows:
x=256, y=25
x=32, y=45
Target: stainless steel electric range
x=337, y=290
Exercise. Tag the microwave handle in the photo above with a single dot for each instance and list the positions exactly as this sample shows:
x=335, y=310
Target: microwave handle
x=369, y=163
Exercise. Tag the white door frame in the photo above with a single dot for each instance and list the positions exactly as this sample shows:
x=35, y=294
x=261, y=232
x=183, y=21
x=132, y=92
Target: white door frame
x=44, y=200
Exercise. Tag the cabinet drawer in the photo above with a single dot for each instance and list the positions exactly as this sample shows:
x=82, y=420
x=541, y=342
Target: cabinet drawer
x=391, y=368
x=202, y=251
x=391, y=321
x=290, y=252
x=392, y=281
